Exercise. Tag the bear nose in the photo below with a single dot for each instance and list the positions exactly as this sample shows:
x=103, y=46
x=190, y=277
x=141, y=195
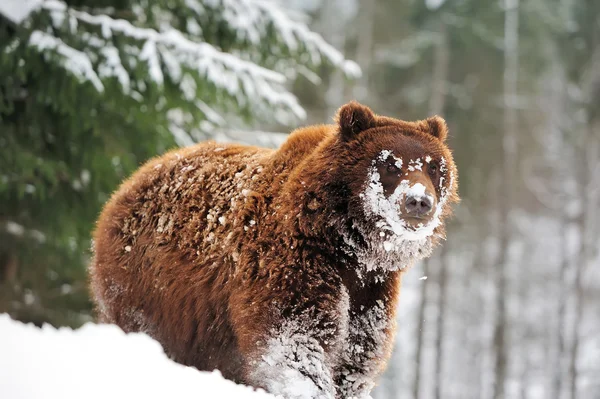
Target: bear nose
x=417, y=205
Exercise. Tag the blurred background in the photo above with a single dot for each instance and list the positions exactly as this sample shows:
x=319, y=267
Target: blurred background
x=508, y=308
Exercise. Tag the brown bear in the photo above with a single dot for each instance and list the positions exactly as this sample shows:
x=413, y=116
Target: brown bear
x=280, y=268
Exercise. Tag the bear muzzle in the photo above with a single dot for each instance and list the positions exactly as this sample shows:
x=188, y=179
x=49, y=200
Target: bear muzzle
x=418, y=204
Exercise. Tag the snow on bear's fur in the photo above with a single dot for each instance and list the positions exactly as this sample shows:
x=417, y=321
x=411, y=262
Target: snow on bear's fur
x=281, y=268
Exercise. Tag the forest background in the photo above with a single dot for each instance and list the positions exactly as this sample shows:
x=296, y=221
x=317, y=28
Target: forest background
x=90, y=89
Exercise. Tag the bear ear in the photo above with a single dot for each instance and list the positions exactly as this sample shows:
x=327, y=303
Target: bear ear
x=354, y=118
x=438, y=127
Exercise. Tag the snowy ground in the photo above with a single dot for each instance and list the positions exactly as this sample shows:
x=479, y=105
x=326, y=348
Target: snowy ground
x=99, y=361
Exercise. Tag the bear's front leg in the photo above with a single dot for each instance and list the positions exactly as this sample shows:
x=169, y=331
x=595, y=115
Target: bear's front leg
x=367, y=349
x=294, y=362
x=291, y=339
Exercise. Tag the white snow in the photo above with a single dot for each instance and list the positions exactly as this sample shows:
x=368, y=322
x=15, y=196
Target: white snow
x=291, y=356
x=99, y=361
x=14, y=228
x=112, y=66
x=150, y=55
x=434, y=4
x=18, y=10
x=182, y=138
x=376, y=203
x=416, y=164
x=19, y=230
x=74, y=61
x=418, y=191
x=385, y=154
x=177, y=119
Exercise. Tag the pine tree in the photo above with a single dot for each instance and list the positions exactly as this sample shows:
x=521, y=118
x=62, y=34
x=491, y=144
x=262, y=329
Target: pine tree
x=89, y=89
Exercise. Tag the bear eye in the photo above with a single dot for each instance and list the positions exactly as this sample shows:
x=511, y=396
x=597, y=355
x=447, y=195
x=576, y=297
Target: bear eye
x=393, y=168
x=432, y=168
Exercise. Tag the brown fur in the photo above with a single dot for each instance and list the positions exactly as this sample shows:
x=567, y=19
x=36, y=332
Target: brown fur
x=221, y=252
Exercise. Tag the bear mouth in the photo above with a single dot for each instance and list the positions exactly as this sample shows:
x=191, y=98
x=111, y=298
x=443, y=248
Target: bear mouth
x=416, y=222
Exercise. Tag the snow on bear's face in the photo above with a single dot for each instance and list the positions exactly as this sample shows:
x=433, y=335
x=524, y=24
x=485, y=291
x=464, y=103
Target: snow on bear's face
x=402, y=179
x=406, y=195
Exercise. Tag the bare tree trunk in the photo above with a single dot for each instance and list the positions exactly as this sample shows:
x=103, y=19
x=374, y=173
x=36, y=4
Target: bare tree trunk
x=579, y=266
x=364, y=49
x=525, y=377
x=562, y=308
x=511, y=59
x=590, y=162
x=8, y=268
x=421, y=333
x=439, y=78
x=586, y=250
x=578, y=310
x=480, y=267
x=437, y=104
x=440, y=330
x=334, y=32
x=437, y=101
x=481, y=282
x=394, y=382
x=526, y=336
x=8, y=276
x=558, y=110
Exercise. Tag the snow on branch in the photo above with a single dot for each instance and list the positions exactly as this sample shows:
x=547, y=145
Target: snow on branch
x=250, y=19
x=74, y=61
x=183, y=129
x=241, y=79
x=18, y=10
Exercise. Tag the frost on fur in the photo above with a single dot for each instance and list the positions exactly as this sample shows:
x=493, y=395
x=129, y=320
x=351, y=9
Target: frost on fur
x=366, y=346
x=294, y=364
x=395, y=239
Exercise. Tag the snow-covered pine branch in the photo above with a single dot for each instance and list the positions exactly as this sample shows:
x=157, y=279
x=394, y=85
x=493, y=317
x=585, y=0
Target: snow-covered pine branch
x=253, y=21
x=74, y=61
x=166, y=57
x=169, y=50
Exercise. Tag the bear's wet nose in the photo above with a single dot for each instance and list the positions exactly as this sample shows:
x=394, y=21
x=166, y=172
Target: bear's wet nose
x=417, y=205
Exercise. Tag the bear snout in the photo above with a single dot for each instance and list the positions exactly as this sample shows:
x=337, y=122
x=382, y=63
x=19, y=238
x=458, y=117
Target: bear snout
x=417, y=206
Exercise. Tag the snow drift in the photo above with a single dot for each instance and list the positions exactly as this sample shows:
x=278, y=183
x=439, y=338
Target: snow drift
x=99, y=361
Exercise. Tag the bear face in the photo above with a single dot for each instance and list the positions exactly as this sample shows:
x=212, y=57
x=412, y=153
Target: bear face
x=402, y=180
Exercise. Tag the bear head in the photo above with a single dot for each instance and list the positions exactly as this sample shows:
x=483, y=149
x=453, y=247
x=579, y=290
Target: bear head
x=401, y=179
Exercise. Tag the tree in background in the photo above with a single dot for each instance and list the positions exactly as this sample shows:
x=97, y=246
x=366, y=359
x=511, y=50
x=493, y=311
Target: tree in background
x=542, y=78
x=89, y=89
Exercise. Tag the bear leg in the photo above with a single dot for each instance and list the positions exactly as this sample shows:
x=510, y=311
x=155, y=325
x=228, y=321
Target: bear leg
x=365, y=353
x=294, y=363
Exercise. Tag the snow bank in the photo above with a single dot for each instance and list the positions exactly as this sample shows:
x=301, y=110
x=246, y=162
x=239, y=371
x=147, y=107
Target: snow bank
x=99, y=361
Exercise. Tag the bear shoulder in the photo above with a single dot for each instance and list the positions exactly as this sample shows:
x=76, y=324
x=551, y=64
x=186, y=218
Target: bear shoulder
x=303, y=141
